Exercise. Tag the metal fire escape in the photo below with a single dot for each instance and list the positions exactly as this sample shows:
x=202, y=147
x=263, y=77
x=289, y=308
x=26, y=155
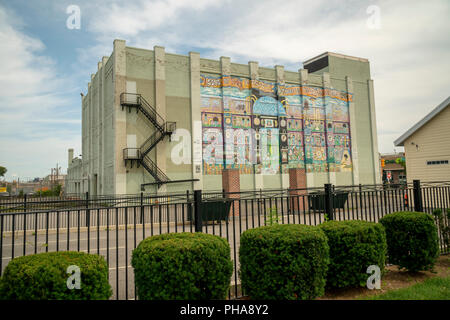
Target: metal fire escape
x=163, y=128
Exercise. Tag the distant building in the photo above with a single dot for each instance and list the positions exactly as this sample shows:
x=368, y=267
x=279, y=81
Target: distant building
x=160, y=122
x=391, y=171
x=427, y=146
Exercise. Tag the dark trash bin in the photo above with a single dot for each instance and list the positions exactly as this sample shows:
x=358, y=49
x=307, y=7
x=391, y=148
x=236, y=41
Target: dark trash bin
x=317, y=200
x=212, y=210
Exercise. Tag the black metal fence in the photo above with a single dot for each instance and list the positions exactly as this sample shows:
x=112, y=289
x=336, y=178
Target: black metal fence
x=114, y=231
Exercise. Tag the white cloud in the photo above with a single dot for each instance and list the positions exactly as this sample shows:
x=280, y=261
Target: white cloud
x=34, y=103
x=129, y=18
x=408, y=54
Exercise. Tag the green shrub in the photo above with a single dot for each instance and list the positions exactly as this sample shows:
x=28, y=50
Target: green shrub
x=354, y=246
x=44, y=276
x=412, y=240
x=444, y=228
x=182, y=266
x=283, y=262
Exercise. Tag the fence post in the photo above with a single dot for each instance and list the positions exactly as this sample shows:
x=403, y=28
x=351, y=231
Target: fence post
x=88, y=213
x=197, y=210
x=25, y=202
x=142, y=207
x=360, y=196
x=418, y=205
x=329, y=200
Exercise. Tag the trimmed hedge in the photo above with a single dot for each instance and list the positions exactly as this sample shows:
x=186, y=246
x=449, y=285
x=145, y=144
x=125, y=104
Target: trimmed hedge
x=182, y=266
x=280, y=262
x=412, y=240
x=354, y=246
x=44, y=276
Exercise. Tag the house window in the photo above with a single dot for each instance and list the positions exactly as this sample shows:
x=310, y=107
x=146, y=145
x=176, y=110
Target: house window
x=433, y=162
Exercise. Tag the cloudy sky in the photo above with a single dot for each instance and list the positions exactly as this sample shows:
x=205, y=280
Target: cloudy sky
x=44, y=65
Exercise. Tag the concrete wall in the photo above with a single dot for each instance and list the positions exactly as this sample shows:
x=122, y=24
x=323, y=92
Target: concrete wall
x=171, y=84
x=430, y=143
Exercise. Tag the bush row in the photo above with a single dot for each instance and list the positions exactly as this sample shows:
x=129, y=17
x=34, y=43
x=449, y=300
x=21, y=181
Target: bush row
x=276, y=262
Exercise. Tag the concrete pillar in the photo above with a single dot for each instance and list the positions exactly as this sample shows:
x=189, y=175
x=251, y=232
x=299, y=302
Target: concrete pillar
x=160, y=105
x=102, y=128
x=231, y=183
x=70, y=158
x=119, y=117
x=196, y=121
x=84, y=147
x=303, y=74
x=99, y=125
x=354, y=144
x=279, y=72
x=373, y=126
x=89, y=137
x=228, y=143
x=326, y=84
x=254, y=75
x=297, y=188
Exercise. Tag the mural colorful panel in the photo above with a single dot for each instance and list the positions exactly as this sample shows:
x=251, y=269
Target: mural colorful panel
x=263, y=127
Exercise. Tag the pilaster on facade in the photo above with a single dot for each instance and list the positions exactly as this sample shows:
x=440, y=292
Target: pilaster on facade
x=160, y=104
x=326, y=85
x=196, y=144
x=280, y=81
x=225, y=70
x=373, y=125
x=103, y=128
x=353, y=136
x=254, y=75
x=119, y=117
x=303, y=75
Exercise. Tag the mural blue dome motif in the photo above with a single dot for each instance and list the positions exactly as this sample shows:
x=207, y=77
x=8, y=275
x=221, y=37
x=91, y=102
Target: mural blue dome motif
x=268, y=106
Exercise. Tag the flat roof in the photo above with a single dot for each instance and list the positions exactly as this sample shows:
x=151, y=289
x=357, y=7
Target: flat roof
x=338, y=55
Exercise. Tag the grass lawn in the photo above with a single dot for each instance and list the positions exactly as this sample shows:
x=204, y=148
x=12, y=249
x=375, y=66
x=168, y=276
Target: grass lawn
x=437, y=288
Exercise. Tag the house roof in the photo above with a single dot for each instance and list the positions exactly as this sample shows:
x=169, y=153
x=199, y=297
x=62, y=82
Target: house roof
x=421, y=123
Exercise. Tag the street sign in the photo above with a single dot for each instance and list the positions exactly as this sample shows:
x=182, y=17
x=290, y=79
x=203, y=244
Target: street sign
x=388, y=175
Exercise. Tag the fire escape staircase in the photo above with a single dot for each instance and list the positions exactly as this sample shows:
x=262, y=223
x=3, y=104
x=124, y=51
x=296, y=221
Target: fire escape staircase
x=163, y=129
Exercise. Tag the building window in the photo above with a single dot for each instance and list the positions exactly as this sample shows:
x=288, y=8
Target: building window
x=437, y=162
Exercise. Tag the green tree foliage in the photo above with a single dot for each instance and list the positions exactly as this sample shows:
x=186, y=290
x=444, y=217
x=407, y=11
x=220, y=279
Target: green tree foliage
x=3, y=171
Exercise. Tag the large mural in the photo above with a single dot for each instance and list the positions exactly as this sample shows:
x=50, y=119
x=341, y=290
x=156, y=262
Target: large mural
x=260, y=127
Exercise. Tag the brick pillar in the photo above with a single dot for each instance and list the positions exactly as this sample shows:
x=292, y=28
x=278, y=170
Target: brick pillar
x=231, y=183
x=297, y=180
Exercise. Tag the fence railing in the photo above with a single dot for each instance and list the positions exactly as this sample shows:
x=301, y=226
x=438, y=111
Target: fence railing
x=114, y=231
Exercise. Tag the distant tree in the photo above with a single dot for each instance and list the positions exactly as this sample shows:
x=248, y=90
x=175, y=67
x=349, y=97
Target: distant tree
x=2, y=171
x=402, y=162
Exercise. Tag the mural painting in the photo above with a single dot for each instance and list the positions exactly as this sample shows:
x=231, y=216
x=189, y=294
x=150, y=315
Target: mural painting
x=261, y=127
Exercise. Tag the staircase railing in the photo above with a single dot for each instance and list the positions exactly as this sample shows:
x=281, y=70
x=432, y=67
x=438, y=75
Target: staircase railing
x=151, y=142
x=153, y=169
x=136, y=100
x=163, y=128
